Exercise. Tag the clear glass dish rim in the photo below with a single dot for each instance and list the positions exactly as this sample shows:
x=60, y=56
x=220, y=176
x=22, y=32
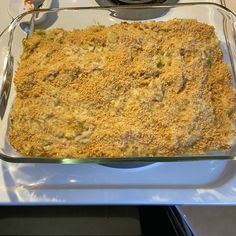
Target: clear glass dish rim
x=75, y=160
x=135, y=6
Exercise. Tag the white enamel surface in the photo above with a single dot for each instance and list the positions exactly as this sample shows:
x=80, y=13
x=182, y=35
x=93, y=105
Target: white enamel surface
x=202, y=182
x=175, y=183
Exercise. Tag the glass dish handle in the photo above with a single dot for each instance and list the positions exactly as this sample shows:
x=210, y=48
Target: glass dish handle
x=6, y=68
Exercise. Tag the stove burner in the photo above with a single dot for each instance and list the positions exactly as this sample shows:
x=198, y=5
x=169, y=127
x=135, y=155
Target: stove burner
x=118, y=2
x=138, y=14
x=132, y=2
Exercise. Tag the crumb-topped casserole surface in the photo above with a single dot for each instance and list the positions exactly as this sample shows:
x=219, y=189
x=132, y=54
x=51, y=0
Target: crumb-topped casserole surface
x=130, y=89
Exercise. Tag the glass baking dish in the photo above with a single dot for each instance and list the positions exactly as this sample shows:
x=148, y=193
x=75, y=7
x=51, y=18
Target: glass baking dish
x=11, y=38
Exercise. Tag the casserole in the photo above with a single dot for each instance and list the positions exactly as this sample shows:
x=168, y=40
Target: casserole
x=69, y=18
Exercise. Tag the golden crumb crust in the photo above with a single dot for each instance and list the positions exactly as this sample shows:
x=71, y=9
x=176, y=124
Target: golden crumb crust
x=130, y=89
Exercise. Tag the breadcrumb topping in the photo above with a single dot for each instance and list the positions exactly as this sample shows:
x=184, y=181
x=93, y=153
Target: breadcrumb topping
x=130, y=89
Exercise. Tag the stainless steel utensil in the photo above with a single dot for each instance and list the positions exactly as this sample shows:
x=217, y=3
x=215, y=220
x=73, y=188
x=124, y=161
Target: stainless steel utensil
x=28, y=28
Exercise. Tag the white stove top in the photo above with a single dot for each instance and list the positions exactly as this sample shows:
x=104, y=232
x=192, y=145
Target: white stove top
x=200, y=182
